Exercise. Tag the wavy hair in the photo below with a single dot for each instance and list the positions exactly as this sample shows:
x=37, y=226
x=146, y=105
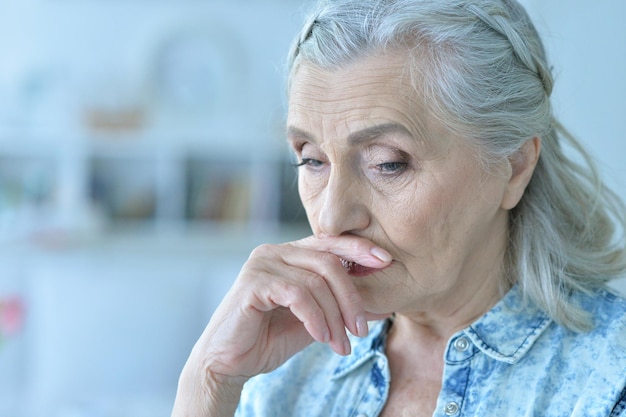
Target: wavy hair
x=484, y=74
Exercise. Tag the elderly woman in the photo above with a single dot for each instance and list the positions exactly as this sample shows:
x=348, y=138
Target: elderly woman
x=459, y=258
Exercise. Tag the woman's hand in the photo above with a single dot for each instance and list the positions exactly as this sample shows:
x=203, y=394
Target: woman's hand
x=285, y=297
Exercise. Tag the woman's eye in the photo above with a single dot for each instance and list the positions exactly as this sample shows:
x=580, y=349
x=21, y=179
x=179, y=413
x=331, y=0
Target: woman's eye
x=313, y=163
x=392, y=167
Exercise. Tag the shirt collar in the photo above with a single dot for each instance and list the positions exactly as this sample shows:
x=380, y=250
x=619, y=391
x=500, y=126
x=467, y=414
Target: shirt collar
x=364, y=349
x=509, y=329
x=505, y=333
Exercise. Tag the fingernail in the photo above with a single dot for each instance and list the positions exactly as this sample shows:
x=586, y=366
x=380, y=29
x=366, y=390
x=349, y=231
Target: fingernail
x=347, y=347
x=381, y=254
x=361, y=326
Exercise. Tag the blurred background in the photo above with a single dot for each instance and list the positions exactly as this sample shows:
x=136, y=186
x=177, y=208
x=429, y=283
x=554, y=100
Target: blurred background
x=141, y=159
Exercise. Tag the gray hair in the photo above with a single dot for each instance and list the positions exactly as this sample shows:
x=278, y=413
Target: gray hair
x=484, y=74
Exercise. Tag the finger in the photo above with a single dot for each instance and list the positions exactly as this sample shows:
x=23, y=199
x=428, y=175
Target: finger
x=344, y=293
x=331, y=306
x=294, y=294
x=351, y=248
x=310, y=298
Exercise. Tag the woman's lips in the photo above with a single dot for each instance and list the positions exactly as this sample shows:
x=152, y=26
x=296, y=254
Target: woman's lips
x=357, y=270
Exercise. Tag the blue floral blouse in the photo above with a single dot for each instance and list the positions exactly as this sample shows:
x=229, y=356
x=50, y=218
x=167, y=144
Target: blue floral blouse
x=513, y=361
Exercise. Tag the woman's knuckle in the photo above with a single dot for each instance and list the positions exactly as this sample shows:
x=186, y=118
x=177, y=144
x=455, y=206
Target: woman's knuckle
x=352, y=298
x=327, y=258
x=296, y=294
x=316, y=315
x=263, y=250
x=358, y=246
x=315, y=282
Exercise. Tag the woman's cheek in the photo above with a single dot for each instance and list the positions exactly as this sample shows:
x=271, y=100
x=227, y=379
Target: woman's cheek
x=310, y=192
x=311, y=184
x=392, y=184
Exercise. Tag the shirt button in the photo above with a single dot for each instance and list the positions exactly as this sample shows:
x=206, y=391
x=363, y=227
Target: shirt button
x=461, y=344
x=451, y=408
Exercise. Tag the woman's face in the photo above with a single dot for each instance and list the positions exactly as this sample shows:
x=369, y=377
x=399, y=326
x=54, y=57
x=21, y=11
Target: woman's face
x=376, y=164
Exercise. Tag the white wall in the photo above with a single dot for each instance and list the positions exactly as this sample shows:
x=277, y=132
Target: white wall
x=586, y=42
x=61, y=57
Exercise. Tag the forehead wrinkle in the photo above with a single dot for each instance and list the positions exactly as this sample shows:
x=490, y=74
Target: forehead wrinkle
x=341, y=99
x=359, y=137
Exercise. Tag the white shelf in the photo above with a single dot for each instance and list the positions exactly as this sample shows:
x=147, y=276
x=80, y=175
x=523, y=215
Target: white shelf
x=90, y=182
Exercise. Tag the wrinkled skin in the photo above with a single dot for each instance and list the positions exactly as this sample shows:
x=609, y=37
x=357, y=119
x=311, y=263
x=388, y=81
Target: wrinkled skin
x=405, y=220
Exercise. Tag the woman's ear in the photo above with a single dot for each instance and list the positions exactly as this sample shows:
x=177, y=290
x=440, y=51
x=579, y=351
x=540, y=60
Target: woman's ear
x=523, y=163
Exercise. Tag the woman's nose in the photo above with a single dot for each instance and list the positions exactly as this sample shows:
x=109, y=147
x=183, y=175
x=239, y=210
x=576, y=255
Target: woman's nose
x=342, y=207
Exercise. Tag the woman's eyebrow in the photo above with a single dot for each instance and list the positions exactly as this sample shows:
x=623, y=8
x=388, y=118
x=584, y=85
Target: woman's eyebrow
x=374, y=132
x=293, y=134
x=360, y=136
